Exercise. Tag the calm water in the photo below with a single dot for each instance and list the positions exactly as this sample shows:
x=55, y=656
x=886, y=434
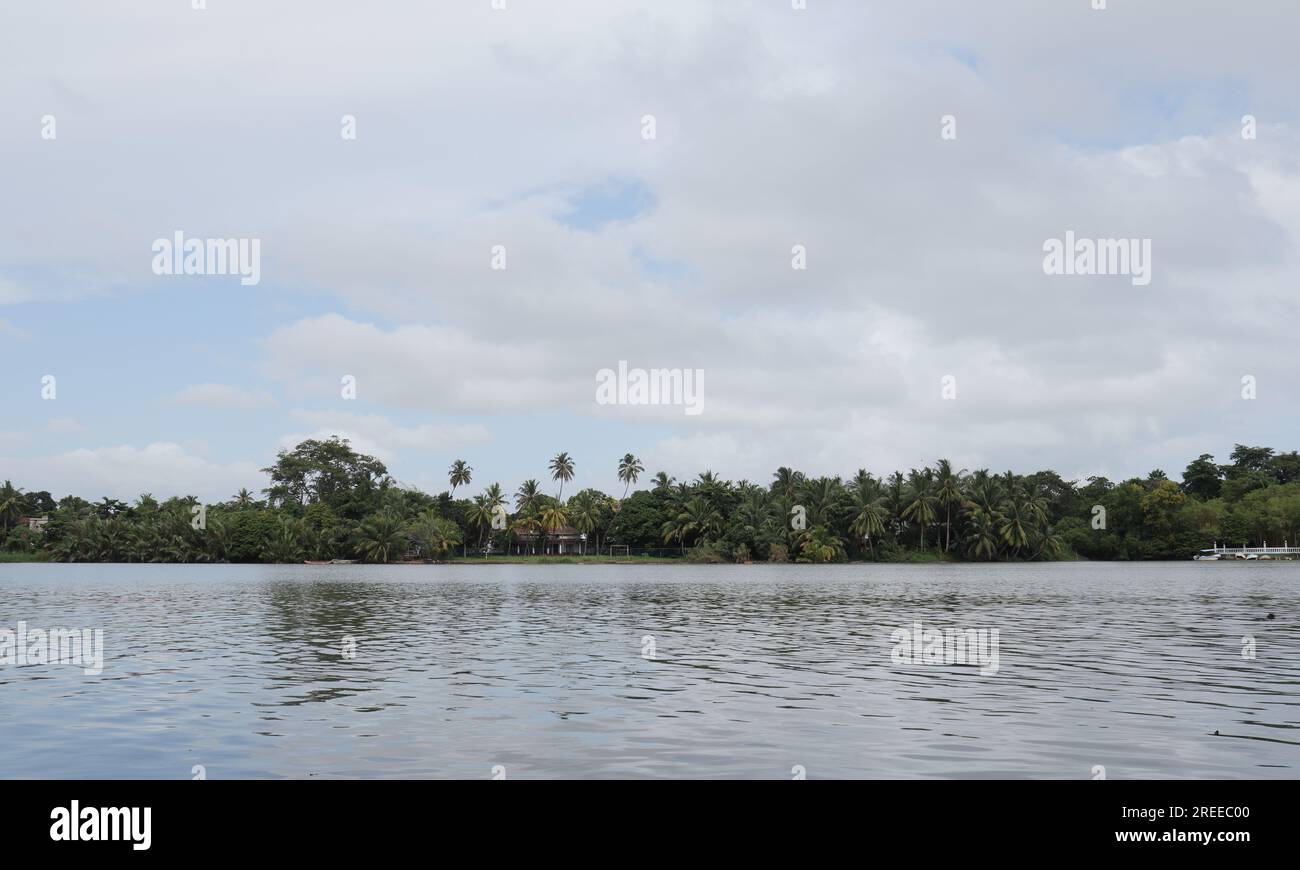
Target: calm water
x=758, y=669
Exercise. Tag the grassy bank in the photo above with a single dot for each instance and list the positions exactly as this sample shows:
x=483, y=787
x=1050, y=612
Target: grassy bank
x=567, y=560
x=39, y=556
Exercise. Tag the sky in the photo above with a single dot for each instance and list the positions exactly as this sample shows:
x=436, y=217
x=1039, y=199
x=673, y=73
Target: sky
x=922, y=326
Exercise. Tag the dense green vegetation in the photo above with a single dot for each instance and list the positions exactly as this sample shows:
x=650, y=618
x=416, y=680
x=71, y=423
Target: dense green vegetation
x=326, y=501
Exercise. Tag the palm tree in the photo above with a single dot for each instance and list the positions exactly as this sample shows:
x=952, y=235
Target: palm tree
x=787, y=482
x=922, y=506
x=823, y=496
x=662, y=480
x=243, y=498
x=11, y=504
x=562, y=470
x=820, y=545
x=585, y=513
x=480, y=514
x=984, y=490
x=1014, y=525
x=675, y=528
x=982, y=540
x=700, y=518
x=380, y=536
x=896, y=500
x=1048, y=544
x=282, y=544
x=216, y=539
x=527, y=495
x=554, y=518
x=108, y=508
x=949, y=496
x=458, y=475
x=869, y=516
x=629, y=469
x=435, y=535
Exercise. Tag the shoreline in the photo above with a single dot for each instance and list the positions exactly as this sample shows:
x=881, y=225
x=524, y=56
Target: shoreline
x=7, y=559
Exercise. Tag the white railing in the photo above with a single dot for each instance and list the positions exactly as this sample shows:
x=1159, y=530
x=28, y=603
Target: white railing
x=1265, y=550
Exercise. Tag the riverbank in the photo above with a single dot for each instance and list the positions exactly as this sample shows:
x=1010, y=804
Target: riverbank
x=6, y=556
x=566, y=560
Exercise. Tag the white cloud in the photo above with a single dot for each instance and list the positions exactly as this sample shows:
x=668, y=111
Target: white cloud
x=378, y=436
x=223, y=396
x=64, y=424
x=125, y=471
x=777, y=127
x=11, y=294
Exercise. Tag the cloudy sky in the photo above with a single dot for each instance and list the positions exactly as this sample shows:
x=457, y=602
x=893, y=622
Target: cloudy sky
x=524, y=128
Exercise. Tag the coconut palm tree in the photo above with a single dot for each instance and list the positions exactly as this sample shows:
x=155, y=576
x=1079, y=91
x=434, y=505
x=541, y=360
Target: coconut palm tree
x=585, y=513
x=787, y=482
x=554, y=517
x=458, y=475
x=823, y=497
x=1048, y=544
x=675, y=529
x=1014, y=525
x=526, y=498
x=381, y=537
x=480, y=514
x=754, y=511
x=562, y=470
x=895, y=490
x=922, y=506
x=11, y=505
x=436, y=535
x=107, y=508
x=982, y=535
x=701, y=518
x=243, y=498
x=662, y=480
x=282, y=545
x=629, y=469
x=949, y=495
x=820, y=545
x=869, y=516
x=216, y=540
x=984, y=490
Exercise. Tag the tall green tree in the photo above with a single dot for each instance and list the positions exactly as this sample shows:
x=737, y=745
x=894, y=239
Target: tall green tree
x=629, y=470
x=460, y=474
x=327, y=471
x=561, y=468
x=11, y=505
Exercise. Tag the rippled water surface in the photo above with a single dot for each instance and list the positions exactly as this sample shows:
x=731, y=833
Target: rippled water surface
x=756, y=670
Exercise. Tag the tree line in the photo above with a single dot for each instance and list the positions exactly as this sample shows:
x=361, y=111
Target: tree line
x=326, y=501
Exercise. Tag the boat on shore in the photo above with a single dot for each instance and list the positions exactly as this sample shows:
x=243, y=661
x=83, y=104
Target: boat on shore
x=1246, y=553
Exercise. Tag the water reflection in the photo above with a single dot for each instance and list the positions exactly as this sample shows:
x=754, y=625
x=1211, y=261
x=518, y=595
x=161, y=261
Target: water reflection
x=756, y=669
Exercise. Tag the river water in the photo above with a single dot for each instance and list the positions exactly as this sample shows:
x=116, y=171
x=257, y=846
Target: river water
x=587, y=671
